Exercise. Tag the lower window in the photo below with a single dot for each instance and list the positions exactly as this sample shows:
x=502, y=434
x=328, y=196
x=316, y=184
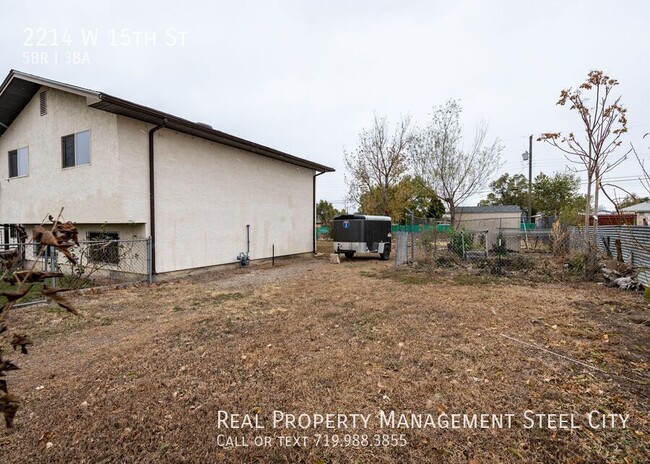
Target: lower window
x=105, y=247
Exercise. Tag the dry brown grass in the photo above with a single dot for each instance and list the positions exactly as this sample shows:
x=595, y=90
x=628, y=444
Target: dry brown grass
x=141, y=376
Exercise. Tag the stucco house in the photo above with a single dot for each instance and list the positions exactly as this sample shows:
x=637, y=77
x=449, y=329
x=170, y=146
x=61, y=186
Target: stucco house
x=133, y=170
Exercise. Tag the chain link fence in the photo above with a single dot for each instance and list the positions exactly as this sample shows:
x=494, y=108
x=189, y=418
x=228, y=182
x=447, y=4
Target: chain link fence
x=97, y=263
x=483, y=243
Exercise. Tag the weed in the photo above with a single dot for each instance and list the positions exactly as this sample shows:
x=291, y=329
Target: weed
x=105, y=321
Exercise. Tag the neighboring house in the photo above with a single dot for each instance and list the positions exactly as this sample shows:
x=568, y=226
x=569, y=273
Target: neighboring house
x=506, y=218
x=641, y=211
x=124, y=168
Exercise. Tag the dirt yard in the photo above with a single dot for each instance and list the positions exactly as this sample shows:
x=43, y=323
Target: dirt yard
x=142, y=376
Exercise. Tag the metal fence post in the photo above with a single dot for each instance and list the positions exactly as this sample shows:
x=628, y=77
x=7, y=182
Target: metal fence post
x=149, y=262
x=412, y=238
x=435, y=244
x=53, y=264
x=486, y=243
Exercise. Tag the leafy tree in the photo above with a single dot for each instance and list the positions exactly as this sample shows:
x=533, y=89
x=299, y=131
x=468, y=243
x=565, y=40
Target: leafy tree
x=451, y=171
x=380, y=160
x=409, y=194
x=551, y=194
x=420, y=200
x=508, y=190
x=571, y=213
x=326, y=211
x=631, y=199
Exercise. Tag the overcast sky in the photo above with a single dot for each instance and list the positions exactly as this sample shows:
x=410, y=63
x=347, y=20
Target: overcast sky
x=305, y=76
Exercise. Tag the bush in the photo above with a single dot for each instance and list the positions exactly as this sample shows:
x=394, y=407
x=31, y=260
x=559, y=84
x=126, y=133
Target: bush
x=576, y=263
x=500, y=247
x=461, y=241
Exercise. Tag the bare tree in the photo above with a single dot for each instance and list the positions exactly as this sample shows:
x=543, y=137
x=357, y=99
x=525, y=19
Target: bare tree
x=604, y=123
x=452, y=172
x=631, y=198
x=380, y=160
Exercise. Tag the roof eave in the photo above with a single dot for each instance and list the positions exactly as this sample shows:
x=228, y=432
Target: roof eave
x=13, y=74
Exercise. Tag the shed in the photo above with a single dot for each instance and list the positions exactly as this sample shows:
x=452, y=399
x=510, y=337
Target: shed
x=493, y=219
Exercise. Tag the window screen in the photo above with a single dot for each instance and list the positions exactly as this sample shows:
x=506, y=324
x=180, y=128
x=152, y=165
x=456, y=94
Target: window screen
x=75, y=149
x=82, y=147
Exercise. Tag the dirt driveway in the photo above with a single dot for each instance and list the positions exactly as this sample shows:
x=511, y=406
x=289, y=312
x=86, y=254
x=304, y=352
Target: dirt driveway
x=420, y=367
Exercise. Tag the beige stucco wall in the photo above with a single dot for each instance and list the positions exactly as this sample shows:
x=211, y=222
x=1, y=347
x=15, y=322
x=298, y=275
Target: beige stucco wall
x=206, y=194
x=93, y=193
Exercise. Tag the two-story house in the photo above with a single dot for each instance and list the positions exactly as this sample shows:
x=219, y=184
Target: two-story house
x=118, y=166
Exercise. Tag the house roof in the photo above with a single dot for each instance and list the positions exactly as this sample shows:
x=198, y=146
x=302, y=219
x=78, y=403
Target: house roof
x=19, y=88
x=638, y=208
x=488, y=209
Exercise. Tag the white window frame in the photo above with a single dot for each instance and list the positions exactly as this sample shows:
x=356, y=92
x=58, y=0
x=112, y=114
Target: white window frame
x=18, y=151
x=76, y=163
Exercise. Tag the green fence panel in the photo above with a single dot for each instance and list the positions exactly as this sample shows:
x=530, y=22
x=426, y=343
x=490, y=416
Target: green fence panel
x=414, y=228
x=322, y=230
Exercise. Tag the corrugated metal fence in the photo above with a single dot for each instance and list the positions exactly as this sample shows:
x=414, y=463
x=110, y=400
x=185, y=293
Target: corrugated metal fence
x=635, y=244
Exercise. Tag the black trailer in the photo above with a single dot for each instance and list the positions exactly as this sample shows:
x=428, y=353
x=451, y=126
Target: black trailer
x=359, y=233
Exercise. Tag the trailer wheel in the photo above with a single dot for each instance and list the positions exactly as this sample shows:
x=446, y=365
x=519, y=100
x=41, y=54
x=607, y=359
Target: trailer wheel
x=349, y=254
x=386, y=254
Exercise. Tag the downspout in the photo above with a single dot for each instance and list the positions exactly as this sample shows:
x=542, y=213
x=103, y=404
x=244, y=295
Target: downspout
x=313, y=229
x=152, y=198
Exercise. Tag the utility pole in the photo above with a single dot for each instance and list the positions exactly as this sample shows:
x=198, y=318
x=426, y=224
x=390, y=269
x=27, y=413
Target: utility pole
x=530, y=179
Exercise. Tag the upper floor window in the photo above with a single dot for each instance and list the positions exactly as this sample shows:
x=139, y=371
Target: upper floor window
x=75, y=149
x=19, y=162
